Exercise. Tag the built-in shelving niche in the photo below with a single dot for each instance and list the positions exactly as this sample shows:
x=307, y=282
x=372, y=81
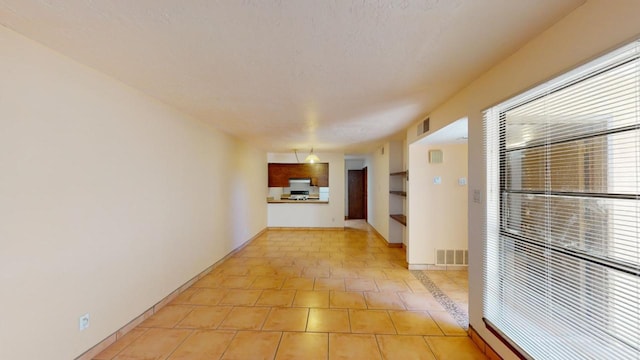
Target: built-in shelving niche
x=401, y=218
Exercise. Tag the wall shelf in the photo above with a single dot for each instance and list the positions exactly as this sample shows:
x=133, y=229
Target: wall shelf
x=397, y=189
x=401, y=186
x=402, y=219
x=401, y=173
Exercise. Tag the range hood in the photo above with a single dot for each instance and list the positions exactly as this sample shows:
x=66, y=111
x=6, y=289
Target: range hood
x=299, y=181
x=300, y=185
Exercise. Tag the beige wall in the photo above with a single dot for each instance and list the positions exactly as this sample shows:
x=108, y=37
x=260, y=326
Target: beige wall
x=442, y=223
x=109, y=201
x=378, y=192
x=590, y=30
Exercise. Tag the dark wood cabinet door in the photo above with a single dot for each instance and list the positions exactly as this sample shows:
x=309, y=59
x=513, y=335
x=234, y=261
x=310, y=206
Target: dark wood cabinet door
x=280, y=173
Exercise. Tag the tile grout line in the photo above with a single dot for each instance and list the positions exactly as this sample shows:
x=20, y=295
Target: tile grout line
x=424, y=338
x=275, y=354
x=229, y=344
x=444, y=333
x=393, y=323
x=328, y=344
x=375, y=336
x=429, y=346
x=460, y=316
x=121, y=350
x=193, y=331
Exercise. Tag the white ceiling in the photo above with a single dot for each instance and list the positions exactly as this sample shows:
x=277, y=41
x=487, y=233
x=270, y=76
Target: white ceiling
x=337, y=75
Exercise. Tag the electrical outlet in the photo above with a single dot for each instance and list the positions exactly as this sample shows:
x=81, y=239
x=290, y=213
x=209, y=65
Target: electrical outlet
x=83, y=322
x=437, y=180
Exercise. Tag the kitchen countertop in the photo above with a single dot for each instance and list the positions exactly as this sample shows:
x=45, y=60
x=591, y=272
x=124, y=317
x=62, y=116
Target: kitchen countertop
x=287, y=201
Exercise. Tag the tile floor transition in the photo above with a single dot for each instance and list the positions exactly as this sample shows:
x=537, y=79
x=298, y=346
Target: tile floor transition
x=310, y=294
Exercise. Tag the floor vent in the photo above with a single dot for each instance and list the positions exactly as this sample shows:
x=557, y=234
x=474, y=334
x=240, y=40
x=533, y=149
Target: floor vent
x=452, y=257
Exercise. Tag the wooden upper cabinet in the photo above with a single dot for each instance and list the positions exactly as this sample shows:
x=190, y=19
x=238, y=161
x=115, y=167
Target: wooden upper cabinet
x=280, y=173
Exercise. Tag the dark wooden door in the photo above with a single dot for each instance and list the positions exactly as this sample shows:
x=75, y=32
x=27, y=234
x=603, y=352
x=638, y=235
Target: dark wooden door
x=356, y=180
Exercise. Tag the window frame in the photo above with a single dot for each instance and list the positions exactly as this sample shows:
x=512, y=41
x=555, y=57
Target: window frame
x=496, y=209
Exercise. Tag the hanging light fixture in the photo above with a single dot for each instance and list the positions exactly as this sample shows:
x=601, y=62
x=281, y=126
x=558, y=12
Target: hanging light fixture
x=312, y=158
x=295, y=151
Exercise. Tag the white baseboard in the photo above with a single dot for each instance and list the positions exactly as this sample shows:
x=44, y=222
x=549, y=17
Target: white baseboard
x=433, y=267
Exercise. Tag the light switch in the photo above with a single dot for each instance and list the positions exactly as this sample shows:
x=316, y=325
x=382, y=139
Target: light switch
x=462, y=181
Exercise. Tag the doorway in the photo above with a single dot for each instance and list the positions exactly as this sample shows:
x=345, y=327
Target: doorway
x=357, y=190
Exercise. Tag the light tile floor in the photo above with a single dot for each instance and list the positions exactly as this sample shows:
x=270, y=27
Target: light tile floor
x=325, y=294
x=453, y=283
x=451, y=290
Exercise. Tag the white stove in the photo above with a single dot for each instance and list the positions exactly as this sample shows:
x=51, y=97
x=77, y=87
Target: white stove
x=299, y=197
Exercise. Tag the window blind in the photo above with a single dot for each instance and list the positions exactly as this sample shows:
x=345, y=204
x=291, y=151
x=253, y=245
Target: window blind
x=562, y=254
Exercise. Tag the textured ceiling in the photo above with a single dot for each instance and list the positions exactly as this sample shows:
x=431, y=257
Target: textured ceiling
x=337, y=75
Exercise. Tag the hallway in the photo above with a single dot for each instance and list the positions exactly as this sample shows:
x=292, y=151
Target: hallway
x=303, y=294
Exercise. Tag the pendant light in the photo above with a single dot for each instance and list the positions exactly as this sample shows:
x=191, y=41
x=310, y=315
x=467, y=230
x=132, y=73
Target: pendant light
x=312, y=158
